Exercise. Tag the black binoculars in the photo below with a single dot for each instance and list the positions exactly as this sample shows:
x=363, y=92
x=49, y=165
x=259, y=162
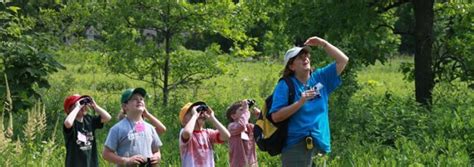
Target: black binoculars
x=202, y=108
x=146, y=164
x=85, y=101
x=251, y=102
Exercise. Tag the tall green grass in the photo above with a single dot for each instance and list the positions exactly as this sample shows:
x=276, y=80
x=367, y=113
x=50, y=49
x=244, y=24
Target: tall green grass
x=380, y=125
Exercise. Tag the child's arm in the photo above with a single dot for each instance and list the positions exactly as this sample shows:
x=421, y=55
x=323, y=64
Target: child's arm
x=189, y=127
x=104, y=115
x=156, y=157
x=223, y=132
x=242, y=112
x=159, y=127
x=237, y=127
x=69, y=121
x=240, y=123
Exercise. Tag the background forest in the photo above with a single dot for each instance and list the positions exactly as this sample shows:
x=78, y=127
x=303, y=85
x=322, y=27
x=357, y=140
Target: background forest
x=406, y=98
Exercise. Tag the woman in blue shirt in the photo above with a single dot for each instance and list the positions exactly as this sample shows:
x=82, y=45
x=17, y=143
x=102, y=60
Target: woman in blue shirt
x=308, y=127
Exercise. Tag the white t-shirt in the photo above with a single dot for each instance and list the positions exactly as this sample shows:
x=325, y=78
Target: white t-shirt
x=198, y=150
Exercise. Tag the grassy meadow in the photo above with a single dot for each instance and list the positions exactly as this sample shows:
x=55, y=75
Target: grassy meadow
x=380, y=125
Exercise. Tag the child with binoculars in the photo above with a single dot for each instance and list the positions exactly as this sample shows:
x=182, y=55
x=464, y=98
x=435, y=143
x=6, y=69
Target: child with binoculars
x=196, y=142
x=241, y=142
x=79, y=130
x=132, y=141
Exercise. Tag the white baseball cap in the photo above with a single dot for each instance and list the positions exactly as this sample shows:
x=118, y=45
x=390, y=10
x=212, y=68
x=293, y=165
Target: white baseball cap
x=294, y=52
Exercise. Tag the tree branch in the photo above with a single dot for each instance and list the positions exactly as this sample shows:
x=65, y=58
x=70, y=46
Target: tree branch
x=188, y=80
x=135, y=78
x=395, y=31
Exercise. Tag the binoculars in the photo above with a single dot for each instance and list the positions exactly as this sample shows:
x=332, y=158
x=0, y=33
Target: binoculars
x=85, y=101
x=146, y=164
x=251, y=102
x=202, y=108
x=316, y=88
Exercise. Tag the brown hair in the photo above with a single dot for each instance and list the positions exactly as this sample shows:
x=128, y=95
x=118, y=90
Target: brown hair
x=232, y=109
x=287, y=71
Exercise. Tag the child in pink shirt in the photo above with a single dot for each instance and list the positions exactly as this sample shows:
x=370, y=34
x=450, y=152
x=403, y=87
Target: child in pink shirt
x=241, y=142
x=195, y=142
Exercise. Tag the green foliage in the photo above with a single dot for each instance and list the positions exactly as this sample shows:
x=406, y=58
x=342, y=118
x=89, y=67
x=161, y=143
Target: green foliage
x=364, y=42
x=25, y=57
x=112, y=85
x=379, y=126
x=453, y=44
x=405, y=26
x=374, y=120
x=367, y=41
x=158, y=58
x=393, y=130
x=193, y=67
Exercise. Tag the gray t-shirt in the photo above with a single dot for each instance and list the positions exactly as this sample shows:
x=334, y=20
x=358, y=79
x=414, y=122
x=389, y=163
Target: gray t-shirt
x=128, y=139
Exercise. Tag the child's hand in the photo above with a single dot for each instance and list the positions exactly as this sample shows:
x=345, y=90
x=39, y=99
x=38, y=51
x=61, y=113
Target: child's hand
x=245, y=105
x=194, y=110
x=78, y=104
x=155, y=159
x=93, y=104
x=134, y=160
x=145, y=113
x=256, y=111
x=209, y=113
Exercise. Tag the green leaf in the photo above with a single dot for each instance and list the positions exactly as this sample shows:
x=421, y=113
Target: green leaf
x=14, y=8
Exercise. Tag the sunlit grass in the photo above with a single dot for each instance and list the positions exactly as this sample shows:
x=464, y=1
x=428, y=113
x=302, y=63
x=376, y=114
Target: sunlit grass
x=382, y=78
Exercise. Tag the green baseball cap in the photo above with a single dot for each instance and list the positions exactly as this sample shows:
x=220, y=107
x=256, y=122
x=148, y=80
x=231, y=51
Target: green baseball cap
x=127, y=94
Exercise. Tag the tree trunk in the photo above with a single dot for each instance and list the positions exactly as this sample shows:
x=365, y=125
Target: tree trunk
x=424, y=78
x=167, y=58
x=166, y=70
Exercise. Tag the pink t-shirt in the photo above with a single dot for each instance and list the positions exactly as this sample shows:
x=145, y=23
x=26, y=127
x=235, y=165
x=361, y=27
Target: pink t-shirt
x=198, y=150
x=242, y=143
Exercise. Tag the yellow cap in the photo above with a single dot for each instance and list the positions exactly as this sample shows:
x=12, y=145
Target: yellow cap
x=183, y=112
x=186, y=108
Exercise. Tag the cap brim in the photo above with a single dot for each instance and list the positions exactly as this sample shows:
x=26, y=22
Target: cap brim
x=295, y=51
x=84, y=96
x=306, y=48
x=140, y=91
x=197, y=103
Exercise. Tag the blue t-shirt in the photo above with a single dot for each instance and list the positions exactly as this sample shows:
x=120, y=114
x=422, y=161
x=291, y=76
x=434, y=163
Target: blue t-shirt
x=127, y=139
x=312, y=117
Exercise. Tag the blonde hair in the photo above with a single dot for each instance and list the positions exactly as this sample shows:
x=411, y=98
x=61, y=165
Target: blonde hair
x=122, y=114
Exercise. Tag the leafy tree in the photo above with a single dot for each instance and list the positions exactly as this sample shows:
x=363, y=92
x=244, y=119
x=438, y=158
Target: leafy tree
x=357, y=28
x=368, y=32
x=160, y=58
x=24, y=56
x=454, y=42
x=450, y=55
x=404, y=26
